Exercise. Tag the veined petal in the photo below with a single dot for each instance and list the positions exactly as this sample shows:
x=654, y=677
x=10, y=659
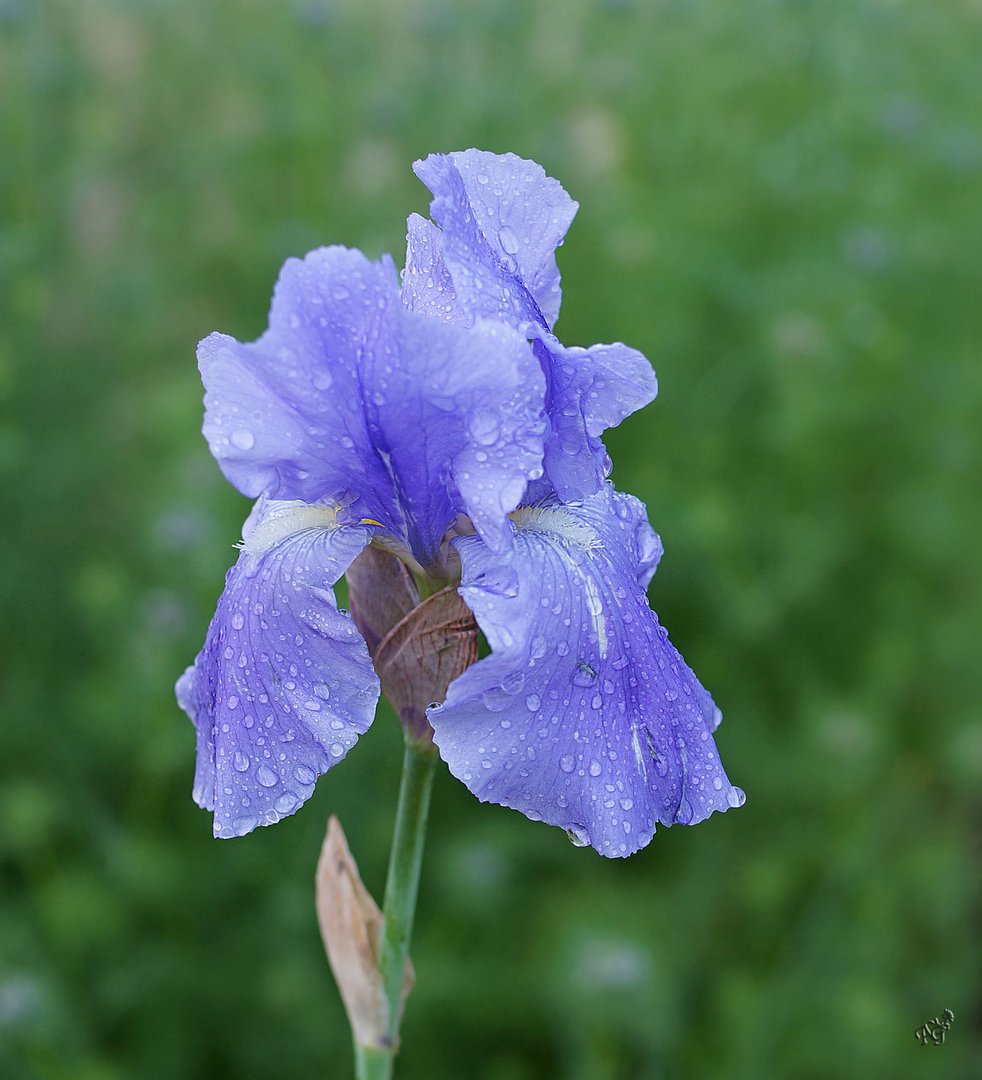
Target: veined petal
x=462, y=426
x=584, y=716
x=588, y=391
x=284, y=684
x=351, y=397
x=502, y=219
x=426, y=283
x=284, y=414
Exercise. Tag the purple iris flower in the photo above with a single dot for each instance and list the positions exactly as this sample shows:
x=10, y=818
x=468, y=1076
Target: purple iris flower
x=445, y=423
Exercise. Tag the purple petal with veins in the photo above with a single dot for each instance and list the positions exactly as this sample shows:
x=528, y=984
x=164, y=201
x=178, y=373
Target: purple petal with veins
x=284, y=684
x=502, y=219
x=584, y=715
x=350, y=396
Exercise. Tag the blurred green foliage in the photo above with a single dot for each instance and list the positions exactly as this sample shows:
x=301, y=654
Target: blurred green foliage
x=781, y=207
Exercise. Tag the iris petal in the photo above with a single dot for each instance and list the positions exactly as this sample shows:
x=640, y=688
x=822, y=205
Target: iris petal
x=585, y=715
x=460, y=424
x=588, y=391
x=349, y=396
x=426, y=283
x=502, y=219
x=281, y=413
x=284, y=684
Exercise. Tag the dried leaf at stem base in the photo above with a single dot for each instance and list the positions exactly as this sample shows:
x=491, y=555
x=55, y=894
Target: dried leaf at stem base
x=350, y=922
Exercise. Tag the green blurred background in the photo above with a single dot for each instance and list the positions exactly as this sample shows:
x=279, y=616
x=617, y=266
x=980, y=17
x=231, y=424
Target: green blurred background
x=781, y=204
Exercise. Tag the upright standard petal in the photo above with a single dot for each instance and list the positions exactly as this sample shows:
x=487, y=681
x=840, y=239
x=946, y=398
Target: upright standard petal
x=284, y=415
x=587, y=392
x=459, y=420
x=284, y=684
x=351, y=397
x=502, y=219
x=426, y=283
x=584, y=715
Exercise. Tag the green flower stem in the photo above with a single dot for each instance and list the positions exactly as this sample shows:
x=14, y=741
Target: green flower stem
x=402, y=881
x=399, y=907
x=372, y=1062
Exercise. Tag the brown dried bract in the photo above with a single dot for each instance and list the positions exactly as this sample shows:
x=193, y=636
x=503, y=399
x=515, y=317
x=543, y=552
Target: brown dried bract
x=418, y=648
x=350, y=922
x=381, y=591
x=422, y=654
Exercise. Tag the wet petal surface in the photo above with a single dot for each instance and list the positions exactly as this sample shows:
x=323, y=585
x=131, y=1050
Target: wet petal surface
x=502, y=219
x=584, y=716
x=283, y=414
x=493, y=256
x=426, y=283
x=460, y=428
x=587, y=392
x=403, y=418
x=284, y=684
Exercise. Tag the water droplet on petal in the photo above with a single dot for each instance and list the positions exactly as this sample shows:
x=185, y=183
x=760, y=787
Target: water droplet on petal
x=266, y=776
x=736, y=797
x=484, y=426
x=578, y=836
x=243, y=825
x=242, y=439
x=508, y=240
x=495, y=700
x=566, y=763
x=240, y=762
x=584, y=675
x=513, y=682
